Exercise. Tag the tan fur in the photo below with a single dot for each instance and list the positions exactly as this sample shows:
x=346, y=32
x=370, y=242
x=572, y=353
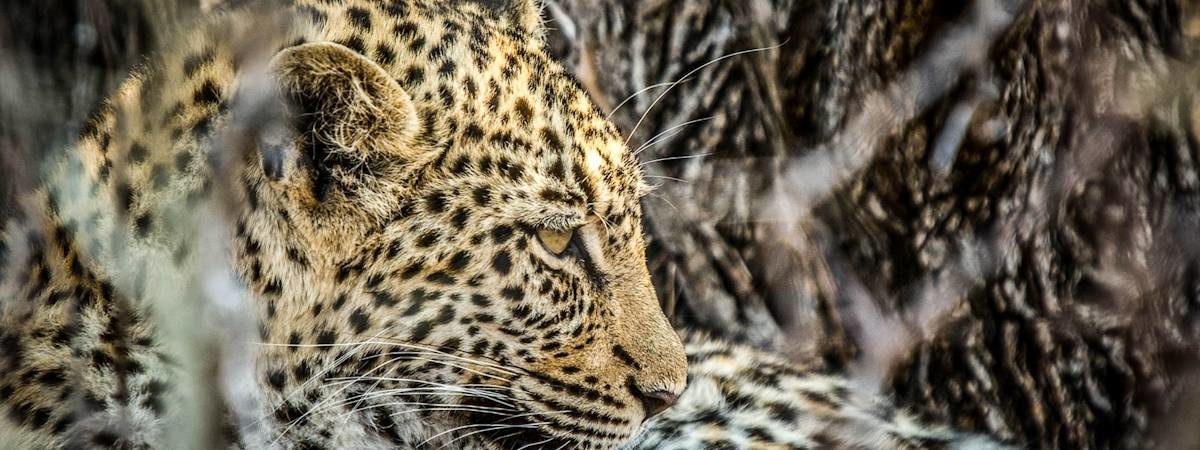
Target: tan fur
x=370, y=94
x=387, y=192
x=740, y=397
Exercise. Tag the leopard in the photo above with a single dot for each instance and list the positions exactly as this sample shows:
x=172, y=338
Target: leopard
x=435, y=234
x=745, y=397
x=436, y=231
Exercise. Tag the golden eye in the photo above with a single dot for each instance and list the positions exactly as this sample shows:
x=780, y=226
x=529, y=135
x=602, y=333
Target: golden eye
x=555, y=241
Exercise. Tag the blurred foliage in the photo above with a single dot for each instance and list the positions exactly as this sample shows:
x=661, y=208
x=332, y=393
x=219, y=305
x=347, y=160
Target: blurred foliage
x=1061, y=170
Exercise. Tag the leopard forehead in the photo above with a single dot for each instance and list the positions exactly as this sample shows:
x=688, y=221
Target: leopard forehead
x=490, y=99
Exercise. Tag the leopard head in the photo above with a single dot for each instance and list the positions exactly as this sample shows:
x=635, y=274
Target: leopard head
x=448, y=229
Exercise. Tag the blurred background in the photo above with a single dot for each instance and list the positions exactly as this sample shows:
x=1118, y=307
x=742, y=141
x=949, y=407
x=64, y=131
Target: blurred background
x=988, y=209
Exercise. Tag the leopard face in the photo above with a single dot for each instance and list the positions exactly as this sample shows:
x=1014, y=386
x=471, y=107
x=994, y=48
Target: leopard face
x=460, y=223
x=437, y=232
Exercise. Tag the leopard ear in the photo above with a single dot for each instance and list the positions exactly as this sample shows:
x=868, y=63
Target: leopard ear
x=526, y=14
x=347, y=115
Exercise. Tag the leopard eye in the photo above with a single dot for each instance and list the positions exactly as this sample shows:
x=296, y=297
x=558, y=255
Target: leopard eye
x=555, y=241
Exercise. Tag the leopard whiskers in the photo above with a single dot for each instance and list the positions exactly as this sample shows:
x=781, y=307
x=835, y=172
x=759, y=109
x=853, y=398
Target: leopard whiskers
x=356, y=346
x=431, y=351
x=496, y=426
x=426, y=354
x=666, y=134
x=350, y=381
x=429, y=388
x=485, y=427
x=689, y=74
x=377, y=340
x=489, y=427
x=406, y=351
x=494, y=393
x=486, y=362
x=399, y=356
x=474, y=389
x=419, y=356
x=319, y=407
x=489, y=392
x=665, y=199
x=506, y=436
x=325, y=369
x=681, y=180
x=634, y=95
x=473, y=359
x=531, y=444
x=604, y=221
x=672, y=158
x=425, y=406
x=493, y=426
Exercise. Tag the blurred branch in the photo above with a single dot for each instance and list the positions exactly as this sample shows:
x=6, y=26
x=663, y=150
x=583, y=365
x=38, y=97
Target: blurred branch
x=960, y=51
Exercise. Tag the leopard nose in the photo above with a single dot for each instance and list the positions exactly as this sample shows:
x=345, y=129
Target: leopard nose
x=655, y=402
